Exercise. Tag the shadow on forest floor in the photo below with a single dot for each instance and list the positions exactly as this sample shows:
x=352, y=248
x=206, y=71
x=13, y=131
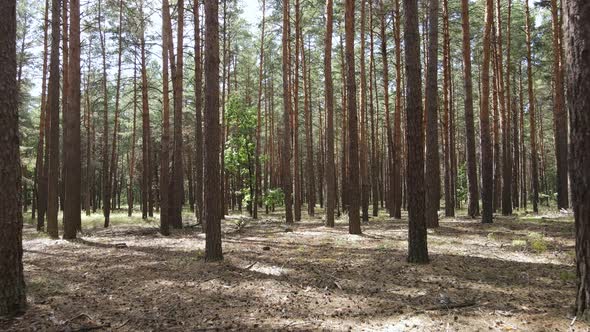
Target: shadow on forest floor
x=515, y=274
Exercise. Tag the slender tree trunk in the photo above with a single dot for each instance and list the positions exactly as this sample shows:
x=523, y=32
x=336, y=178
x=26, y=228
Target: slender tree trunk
x=449, y=197
x=286, y=150
x=72, y=155
x=559, y=114
x=486, y=144
x=497, y=158
x=88, y=127
x=390, y=199
x=258, y=172
x=176, y=176
x=42, y=151
x=198, y=117
x=532, y=124
x=309, y=160
x=212, y=173
x=112, y=176
x=130, y=192
x=417, y=242
x=577, y=38
x=472, y=179
x=53, y=112
x=506, y=129
x=354, y=222
x=165, y=141
x=145, y=117
x=397, y=120
x=363, y=153
x=12, y=284
x=329, y=89
x=295, y=88
x=432, y=175
x=523, y=158
x=374, y=154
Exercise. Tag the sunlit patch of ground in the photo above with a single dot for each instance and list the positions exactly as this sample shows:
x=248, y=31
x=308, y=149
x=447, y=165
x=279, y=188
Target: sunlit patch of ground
x=516, y=274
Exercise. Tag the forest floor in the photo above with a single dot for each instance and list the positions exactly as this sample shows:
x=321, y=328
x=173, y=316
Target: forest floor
x=516, y=274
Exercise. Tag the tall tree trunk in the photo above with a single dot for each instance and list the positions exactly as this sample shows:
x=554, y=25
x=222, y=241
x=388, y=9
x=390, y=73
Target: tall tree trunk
x=559, y=115
x=486, y=144
x=432, y=154
x=533, y=123
x=472, y=179
x=198, y=117
x=88, y=126
x=363, y=153
x=447, y=101
x=53, y=112
x=397, y=119
x=12, y=284
x=212, y=174
x=42, y=151
x=497, y=158
x=113, y=168
x=145, y=119
x=354, y=222
x=390, y=199
x=165, y=140
x=329, y=90
x=309, y=160
x=577, y=38
x=72, y=155
x=417, y=242
x=523, y=158
x=176, y=176
x=506, y=115
x=106, y=184
x=258, y=172
x=374, y=134
x=295, y=134
x=130, y=192
x=286, y=150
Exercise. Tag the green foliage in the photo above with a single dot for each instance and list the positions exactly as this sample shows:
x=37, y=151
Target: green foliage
x=537, y=242
x=273, y=197
x=519, y=243
x=240, y=145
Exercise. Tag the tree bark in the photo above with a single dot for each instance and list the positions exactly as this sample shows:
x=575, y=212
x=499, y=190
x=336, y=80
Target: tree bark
x=472, y=179
x=72, y=155
x=176, y=189
x=390, y=198
x=258, y=172
x=53, y=111
x=42, y=151
x=212, y=172
x=145, y=119
x=486, y=144
x=559, y=113
x=532, y=116
x=417, y=242
x=577, y=63
x=329, y=90
x=165, y=141
x=432, y=176
x=12, y=284
x=286, y=150
x=198, y=117
x=354, y=222
x=397, y=119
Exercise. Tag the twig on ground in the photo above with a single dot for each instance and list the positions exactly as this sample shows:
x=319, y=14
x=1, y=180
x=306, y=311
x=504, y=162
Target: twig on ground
x=67, y=321
x=451, y=306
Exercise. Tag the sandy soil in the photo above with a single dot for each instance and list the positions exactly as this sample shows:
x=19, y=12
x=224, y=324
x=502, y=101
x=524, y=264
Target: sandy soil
x=516, y=274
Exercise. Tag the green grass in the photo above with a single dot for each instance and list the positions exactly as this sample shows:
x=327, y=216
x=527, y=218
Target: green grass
x=567, y=275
